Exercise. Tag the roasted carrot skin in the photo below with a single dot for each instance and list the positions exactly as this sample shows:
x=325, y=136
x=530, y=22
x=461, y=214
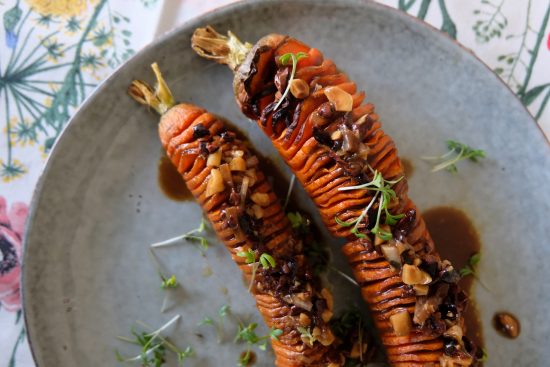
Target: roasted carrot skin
x=287, y=295
x=330, y=148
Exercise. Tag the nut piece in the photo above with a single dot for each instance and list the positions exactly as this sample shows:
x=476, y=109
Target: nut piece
x=325, y=293
x=337, y=134
x=215, y=183
x=413, y=275
x=260, y=198
x=421, y=289
x=299, y=88
x=237, y=164
x=214, y=159
x=304, y=319
x=391, y=253
x=258, y=211
x=401, y=323
x=326, y=315
x=342, y=100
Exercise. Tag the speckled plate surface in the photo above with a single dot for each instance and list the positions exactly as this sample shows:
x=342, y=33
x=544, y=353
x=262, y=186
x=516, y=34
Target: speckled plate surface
x=87, y=271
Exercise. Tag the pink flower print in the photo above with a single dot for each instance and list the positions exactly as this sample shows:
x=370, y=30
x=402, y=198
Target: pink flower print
x=12, y=224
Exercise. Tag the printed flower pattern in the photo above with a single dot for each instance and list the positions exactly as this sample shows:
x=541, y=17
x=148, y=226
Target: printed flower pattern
x=12, y=223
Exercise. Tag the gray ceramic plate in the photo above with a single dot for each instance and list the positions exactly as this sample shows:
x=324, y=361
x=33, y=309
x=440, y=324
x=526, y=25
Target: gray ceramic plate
x=88, y=275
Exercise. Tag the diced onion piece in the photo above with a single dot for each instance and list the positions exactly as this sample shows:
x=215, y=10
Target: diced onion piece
x=244, y=189
x=326, y=338
x=325, y=293
x=413, y=275
x=299, y=88
x=342, y=100
x=391, y=253
x=337, y=134
x=421, y=289
x=226, y=174
x=258, y=211
x=361, y=120
x=215, y=183
x=251, y=173
x=363, y=151
x=456, y=332
x=304, y=319
x=260, y=198
x=401, y=323
x=214, y=159
x=237, y=164
x=237, y=153
x=326, y=315
x=461, y=360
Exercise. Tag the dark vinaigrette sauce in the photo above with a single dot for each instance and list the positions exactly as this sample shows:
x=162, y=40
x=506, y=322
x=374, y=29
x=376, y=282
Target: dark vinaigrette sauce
x=170, y=181
x=457, y=240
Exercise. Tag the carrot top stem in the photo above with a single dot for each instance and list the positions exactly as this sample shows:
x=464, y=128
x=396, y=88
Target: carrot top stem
x=228, y=50
x=159, y=98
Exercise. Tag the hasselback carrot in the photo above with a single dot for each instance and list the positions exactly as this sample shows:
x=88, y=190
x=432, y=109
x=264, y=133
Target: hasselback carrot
x=335, y=145
x=224, y=177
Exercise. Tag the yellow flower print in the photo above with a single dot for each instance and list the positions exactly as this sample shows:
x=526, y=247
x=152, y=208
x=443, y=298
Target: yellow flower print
x=9, y=171
x=64, y=8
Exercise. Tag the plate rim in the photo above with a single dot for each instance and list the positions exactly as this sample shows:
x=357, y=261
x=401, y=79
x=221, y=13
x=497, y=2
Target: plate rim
x=192, y=22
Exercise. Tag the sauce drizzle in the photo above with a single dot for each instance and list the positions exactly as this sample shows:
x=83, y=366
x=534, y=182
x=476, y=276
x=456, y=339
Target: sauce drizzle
x=170, y=181
x=457, y=240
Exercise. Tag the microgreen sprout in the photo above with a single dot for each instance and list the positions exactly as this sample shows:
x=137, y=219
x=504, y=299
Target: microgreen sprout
x=248, y=335
x=167, y=283
x=154, y=346
x=267, y=261
x=344, y=275
x=245, y=358
x=223, y=312
x=384, y=194
x=484, y=357
x=286, y=59
x=470, y=268
x=306, y=334
x=249, y=255
x=189, y=236
x=289, y=192
x=299, y=222
x=457, y=152
x=250, y=258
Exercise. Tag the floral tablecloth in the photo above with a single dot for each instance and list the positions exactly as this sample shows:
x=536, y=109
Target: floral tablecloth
x=54, y=52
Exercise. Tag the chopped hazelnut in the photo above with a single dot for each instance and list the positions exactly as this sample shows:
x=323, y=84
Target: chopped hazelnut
x=299, y=88
x=215, y=183
x=214, y=159
x=342, y=100
x=260, y=198
x=413, y=275
x=401, y=323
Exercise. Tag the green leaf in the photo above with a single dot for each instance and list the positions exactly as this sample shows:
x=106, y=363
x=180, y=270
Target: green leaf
x=224, y=310
x=344, y=224
x=285, y=59
x=275, y=333
x=499, y=70
x=206, y=321
x=126, y=32
x=465, y=271
x=474, y=259
x=533, y=93
x=267, y=260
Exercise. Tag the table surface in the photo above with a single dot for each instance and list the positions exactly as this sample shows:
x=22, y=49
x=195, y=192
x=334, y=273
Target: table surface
x=54, y=52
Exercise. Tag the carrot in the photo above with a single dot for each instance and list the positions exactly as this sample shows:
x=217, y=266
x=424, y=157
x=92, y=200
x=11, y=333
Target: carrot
x=224, y=177
x=333, y=142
